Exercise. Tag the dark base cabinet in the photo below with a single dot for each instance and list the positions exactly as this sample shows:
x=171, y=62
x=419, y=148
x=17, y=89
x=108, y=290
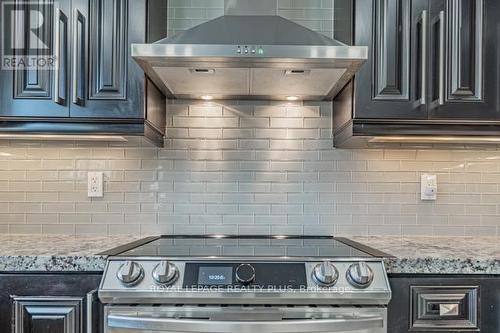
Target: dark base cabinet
x=49, y=303
x=444, y=303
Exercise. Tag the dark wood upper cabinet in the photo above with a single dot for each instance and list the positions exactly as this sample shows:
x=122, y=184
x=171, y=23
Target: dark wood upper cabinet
x=96, y=77
x=96, y=86
x=30, y=91
x=386, y=86
x=429, y=59
x=465, y=71
x=108, y=49
x=391, y=50
x=114, y=86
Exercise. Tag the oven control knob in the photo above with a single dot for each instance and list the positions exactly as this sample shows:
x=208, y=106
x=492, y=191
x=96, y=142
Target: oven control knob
x=325, y=274
x=359, y=275
x=165, y=273
x=130, y=273
x=245, y=273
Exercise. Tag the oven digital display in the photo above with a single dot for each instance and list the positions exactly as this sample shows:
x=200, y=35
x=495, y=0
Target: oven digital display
x=215, y=275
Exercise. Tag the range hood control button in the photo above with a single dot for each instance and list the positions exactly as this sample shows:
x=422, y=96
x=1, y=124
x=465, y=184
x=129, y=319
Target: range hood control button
x=325, y=274
x=130, y=273
x=165, y=273
x=245, y=273
x=359, y=275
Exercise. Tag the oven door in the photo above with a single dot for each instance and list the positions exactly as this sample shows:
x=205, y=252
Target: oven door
x=214, y=319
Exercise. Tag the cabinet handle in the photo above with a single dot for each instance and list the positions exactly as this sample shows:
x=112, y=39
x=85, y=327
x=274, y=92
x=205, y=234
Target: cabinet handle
x=423, y=92
x=442, y=30
x=141, y=323
x=61, y=54
x=91, y=297
x=449, y=309
x=78, y=59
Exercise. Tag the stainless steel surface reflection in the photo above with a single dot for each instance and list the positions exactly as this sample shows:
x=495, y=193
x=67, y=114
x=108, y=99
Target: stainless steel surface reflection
x=288, y=284
x=244, y=320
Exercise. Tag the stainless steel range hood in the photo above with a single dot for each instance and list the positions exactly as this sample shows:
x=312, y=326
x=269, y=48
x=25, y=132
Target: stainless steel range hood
x=249, y=57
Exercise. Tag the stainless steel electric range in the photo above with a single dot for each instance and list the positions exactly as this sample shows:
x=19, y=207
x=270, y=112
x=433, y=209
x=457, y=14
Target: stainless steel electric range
x=214, y=284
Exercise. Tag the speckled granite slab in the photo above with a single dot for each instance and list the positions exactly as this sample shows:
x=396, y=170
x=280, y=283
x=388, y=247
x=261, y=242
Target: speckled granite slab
x=438, y=255
x=56, y=252
x=431, y=255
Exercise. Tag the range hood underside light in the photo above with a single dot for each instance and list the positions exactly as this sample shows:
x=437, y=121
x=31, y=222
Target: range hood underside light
x=435, y=139
x=250, y=83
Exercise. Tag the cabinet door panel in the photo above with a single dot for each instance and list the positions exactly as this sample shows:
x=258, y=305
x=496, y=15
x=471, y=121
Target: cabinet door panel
x=416, y=299
x=391, y=52
x=471, y=70
x=386, y=86
x=465, y=23
x=33, y=83
x=42, y=307
x=79, y=59
x=108, y=50
x=36, y=91
x=115, y=83
x=47, y=314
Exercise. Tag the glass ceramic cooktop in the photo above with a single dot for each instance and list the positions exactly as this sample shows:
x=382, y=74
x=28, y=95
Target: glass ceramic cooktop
x=246, y=246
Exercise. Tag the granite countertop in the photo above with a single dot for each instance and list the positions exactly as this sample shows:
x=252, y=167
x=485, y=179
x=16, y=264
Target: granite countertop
x=428, y=255
x=67, y=253
x=438, y=255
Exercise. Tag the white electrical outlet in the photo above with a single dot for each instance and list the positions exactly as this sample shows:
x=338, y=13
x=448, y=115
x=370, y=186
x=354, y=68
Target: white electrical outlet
x=95, y=184
x=428, y=187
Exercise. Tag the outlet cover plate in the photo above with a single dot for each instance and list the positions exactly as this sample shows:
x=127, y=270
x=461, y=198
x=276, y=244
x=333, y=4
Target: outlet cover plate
x=95, y=185
x=428, y=187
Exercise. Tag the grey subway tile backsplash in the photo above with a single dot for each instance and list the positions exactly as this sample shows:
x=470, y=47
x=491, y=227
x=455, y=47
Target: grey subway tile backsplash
x=247, y=168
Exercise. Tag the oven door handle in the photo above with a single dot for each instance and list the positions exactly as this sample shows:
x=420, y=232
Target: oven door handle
x=222, y=326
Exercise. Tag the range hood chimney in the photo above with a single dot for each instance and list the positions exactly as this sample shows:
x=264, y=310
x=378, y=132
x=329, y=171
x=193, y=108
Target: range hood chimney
x=251, y=7
x=250, y=53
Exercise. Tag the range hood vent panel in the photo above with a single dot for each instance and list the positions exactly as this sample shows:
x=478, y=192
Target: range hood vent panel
x=223, y=81
x=315, y=82
x=249, y=57
x=265, y=82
